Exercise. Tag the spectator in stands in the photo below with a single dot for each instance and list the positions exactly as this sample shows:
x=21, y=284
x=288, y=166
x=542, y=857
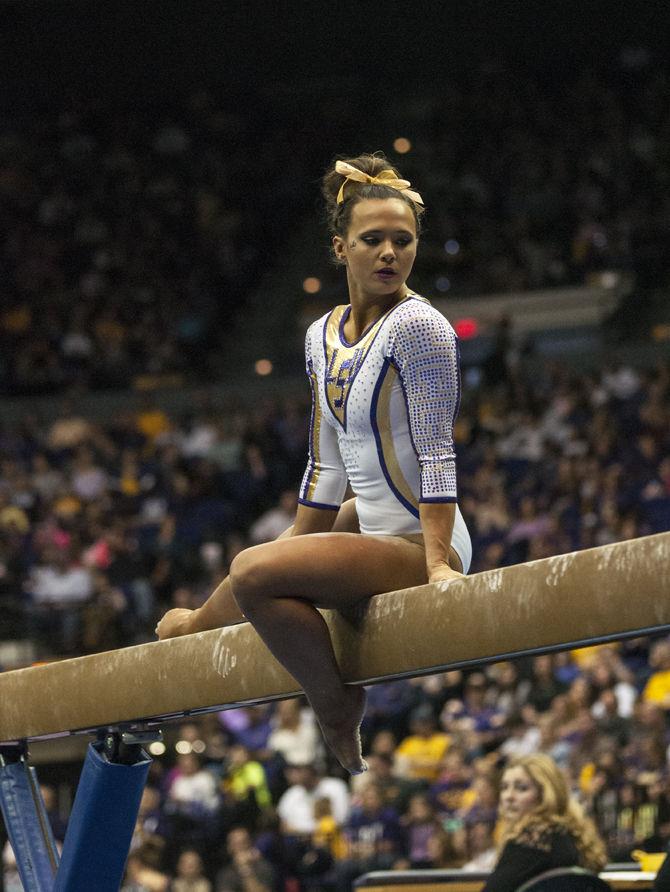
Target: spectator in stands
x=142, y=872
x=296, y=806
x=608, y=720
x=481, y=846
x=245, y=778
x=657, y=688
x=544, y=684
x=294, y=740
x=455, y=779
x=294, y=736
x=247, y=870
x=475, y=715
x=151, y=823
x=609, y=672
x=374, y=837
x=421, y=825
x=373, y=830
x=509, y=691
x=387, y=707
x=58, y=588
x=252, y=728
x=328, y=834
x=396, y=791
x=189, y=874
x=103, y=628
x=543, y=826
x=419, y=756
x=521, y=735
x=191, y=800
x=447, y=849
x=275, y=521
x=479, y=804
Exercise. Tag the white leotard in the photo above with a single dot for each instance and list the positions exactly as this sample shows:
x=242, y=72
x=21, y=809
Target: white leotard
x=383, y=412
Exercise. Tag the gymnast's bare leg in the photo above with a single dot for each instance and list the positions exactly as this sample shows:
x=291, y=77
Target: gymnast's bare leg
x=278, y=587
x=280, y=584
x=221, y=609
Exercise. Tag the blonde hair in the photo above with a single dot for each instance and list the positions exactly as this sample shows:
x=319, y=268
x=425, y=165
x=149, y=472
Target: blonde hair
x=339, y=213
x=556, y=808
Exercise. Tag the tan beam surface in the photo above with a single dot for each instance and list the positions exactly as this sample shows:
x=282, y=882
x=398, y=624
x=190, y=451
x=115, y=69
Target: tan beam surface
x=611, y=591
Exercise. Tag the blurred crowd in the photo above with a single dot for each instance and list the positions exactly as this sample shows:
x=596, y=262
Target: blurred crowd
x=534, y=184
x=104, y=525
x=132, y=238
x=129, y=241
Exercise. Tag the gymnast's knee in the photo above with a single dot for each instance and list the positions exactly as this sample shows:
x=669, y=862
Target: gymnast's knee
x=250, y=578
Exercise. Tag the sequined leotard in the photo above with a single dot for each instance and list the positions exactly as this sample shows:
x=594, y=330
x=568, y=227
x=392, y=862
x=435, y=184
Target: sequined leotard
x=383, y=412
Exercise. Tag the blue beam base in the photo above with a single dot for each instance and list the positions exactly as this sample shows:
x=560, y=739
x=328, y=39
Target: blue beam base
x=102, y=823
x=27, y=823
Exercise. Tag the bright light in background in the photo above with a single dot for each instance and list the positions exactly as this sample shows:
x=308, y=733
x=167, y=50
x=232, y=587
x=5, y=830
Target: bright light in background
x=198, y=746
x=442, y=283
x=312, y=285
x=157, y=748
x=452, y=247
x=183, y=747
x=661, y=332
x=466, y=328
x=609, y=279
x=263, y=367
x=401, y=145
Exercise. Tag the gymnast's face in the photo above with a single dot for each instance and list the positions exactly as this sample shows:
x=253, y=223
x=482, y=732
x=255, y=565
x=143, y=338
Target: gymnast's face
x=518, y=793
x=380, y=246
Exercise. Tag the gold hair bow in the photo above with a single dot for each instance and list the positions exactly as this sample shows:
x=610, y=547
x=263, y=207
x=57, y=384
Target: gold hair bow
x=383, y=178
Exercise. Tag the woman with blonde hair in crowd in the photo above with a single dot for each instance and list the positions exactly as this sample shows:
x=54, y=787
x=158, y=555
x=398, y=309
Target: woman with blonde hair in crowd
x=543, y=826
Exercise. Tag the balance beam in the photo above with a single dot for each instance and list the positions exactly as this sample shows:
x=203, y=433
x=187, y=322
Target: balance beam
x=586, y=597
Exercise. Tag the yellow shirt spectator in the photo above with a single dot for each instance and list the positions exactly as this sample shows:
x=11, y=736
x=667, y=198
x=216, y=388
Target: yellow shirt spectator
x=152, y=422
x=657, y=689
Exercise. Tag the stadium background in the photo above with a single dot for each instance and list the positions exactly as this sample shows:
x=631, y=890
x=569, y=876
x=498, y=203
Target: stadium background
x=161, y=251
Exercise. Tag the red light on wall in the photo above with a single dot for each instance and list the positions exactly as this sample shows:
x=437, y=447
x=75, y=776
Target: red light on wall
x=466, y=328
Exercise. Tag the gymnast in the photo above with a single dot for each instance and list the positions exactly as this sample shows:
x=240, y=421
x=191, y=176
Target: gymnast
x=385, y=393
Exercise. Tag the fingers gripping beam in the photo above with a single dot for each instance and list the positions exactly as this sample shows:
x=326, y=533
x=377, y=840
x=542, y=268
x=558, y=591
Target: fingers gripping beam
x=608, y=593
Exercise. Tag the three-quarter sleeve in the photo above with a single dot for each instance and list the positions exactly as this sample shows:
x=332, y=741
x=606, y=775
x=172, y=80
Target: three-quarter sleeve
x=324, y=482
x=424, y=349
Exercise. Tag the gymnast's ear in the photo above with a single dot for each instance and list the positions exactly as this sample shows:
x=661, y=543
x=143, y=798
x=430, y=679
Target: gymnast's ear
x=339, y=249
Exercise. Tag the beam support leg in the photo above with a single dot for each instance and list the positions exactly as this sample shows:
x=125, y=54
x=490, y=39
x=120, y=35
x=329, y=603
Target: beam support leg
x=103, y=817
x=26, y=821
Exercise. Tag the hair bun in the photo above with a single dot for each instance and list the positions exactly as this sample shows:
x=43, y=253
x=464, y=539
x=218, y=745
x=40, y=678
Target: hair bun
x=336, y=183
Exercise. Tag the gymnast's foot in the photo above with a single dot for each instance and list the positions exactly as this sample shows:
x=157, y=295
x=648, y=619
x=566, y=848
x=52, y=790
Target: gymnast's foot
x=341, y=730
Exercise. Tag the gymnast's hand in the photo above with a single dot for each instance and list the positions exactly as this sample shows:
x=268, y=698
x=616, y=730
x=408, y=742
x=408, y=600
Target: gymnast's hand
x=444, y=573
x=174, y=623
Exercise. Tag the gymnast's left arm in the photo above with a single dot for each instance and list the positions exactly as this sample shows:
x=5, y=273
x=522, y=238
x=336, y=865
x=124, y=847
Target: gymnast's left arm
x=424, y=349
x=437, y=524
